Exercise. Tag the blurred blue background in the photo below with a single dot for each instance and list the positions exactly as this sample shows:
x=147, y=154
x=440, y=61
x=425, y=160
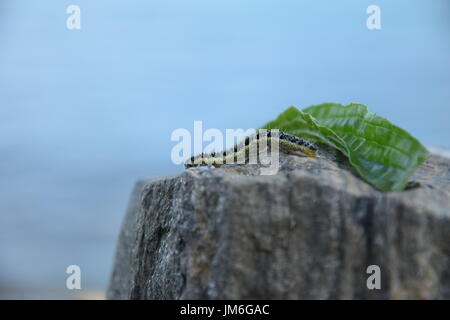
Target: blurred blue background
x=85, y=113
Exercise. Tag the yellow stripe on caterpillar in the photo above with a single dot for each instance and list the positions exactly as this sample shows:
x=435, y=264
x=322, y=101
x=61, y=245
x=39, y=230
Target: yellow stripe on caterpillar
x=287, y=143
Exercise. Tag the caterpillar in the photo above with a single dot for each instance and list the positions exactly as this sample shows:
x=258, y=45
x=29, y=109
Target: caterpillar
x=288, y=143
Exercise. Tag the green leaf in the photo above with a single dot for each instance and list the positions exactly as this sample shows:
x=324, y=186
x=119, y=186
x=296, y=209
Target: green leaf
x=301, y=124
x=382, y=153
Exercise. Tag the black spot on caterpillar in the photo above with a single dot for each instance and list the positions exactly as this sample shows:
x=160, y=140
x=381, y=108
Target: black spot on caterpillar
x=287, y=143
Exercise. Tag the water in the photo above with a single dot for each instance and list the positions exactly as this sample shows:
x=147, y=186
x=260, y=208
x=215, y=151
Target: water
x=83, y=114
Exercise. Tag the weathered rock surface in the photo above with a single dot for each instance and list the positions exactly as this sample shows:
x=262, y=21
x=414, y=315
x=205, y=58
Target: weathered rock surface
x=308, y=232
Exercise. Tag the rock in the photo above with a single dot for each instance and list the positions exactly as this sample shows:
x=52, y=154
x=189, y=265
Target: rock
x=308, y=232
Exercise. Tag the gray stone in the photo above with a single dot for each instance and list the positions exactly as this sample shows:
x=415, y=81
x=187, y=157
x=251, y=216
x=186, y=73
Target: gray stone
x=308, y=232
